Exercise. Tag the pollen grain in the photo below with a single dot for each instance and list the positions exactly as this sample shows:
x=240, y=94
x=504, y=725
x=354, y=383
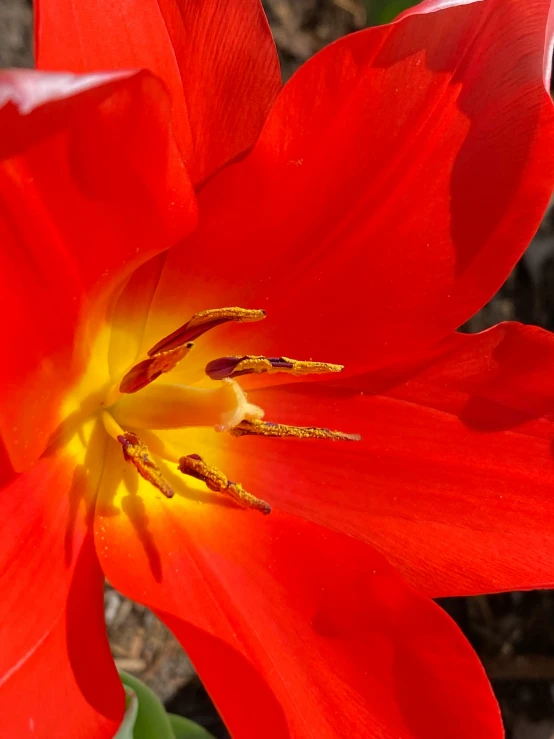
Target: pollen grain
x=136, y=453
x=283, y=431
x=215, y=480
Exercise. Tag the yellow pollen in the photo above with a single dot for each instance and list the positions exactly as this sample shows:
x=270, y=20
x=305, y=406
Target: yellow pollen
x=280, y=430
x=136, y=453
x=140, y=410
x=145, y=372
x=215, y=480
x=244, y=365
x=204, y=321
x=298, y=367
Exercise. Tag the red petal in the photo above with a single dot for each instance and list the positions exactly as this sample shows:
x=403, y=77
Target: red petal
x=91, y=185
x=453, y=478
x=217, y=59
x=345, y=646
x=57, y=678
x=398, y=179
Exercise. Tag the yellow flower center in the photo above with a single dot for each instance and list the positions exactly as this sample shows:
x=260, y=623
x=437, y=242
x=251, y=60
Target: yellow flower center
x=169, y=406
x=136, y=410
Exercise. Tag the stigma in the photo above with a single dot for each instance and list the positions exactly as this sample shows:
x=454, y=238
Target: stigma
x=139, y=408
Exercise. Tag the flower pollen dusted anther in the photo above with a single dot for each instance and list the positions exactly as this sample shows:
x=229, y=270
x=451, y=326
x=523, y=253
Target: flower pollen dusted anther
x=215, y=480
x=204, y=321
x=281, y=430
x=145, y=372
x=136, y=453
x=230, y=367
x=224, y=408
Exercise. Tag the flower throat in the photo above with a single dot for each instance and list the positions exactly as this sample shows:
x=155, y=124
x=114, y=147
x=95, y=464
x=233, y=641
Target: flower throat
x=145, y=408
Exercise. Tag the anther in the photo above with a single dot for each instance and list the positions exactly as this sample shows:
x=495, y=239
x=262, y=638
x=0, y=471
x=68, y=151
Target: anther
x=145, y=372
x=136, y=453
x=229, y=367
x=280, y=430
x=204, y=321
x=194, y=466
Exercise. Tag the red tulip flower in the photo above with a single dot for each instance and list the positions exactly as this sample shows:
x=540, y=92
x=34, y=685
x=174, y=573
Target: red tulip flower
x=209, y=463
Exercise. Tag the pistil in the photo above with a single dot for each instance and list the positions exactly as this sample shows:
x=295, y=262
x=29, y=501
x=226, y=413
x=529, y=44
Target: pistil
x=172, y=406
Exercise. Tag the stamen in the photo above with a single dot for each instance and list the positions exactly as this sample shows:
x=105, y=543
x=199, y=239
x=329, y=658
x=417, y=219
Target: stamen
x=218, y=369
x=226, y=408
x=202, y=322
x=145, y=372
x=264, y=428
x=136, y=453
x=215, y=480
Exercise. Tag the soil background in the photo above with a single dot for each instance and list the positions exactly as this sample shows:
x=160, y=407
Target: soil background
x=513, y=632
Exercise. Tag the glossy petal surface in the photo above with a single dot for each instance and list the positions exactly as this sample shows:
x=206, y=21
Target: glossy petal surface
x=57, y=677
x=454, y=475
x=323, y=620
x=218, y=61
x=400, y=175
x=91, y=185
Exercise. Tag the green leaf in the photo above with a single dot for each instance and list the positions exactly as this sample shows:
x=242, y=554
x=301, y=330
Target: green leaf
x=125, y=731
x=183, y=728
x=384, y=11
x=152, y=721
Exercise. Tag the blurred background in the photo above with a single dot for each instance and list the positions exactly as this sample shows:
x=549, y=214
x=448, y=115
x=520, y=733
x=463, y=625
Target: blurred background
x=513, y=632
